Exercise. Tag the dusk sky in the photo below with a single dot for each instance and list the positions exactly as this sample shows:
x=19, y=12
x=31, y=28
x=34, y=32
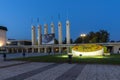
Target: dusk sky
x=84, y=16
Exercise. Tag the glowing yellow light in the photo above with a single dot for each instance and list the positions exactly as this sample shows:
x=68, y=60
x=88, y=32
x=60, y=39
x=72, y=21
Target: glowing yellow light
x=98, y=57
x=82, y=35
x=1, y=43
x=64, y=56
x=8, y=42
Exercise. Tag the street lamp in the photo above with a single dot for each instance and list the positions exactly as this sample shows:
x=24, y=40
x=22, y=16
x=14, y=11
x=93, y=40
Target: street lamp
x=82, y=35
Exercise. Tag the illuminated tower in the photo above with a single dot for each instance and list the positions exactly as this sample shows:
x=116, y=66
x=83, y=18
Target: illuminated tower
x=39, y=35
x=67, y=32
x=45, y=29
x=60, y=32
x=3, y=37
x=33, y=35
x=52, y=28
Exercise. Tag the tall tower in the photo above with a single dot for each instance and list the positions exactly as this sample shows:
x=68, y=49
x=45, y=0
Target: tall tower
x=60, y=32
x=39, y=35
x=33, y=35
x=45, y=29
x=52, y=28
x=67, y=32
x=3, y=37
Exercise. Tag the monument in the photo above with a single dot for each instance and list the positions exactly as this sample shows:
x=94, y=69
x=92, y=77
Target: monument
x=3, y=37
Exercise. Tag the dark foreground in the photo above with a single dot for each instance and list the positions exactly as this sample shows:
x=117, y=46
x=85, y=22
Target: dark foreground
x=18, y=70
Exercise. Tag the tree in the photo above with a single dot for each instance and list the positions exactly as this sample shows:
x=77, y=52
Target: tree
x=56, y=41
x=104, y=36
x=91, y=37
x=71, y=41
x=94, y=37
x=64, y=42
x=78, y=40
x=98, y=37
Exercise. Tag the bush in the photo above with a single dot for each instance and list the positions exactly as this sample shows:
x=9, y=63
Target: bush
x=87, y=47
x=71, y=49
x=105, y=49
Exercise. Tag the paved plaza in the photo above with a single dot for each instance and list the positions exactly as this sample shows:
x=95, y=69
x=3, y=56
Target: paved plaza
x=19, y=70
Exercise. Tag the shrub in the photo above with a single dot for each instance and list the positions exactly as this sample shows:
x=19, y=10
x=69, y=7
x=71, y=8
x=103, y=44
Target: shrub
x=87, y=47
x=105, y=49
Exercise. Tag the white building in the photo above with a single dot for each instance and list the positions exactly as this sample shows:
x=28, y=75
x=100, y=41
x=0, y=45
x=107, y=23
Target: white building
x=3, y=31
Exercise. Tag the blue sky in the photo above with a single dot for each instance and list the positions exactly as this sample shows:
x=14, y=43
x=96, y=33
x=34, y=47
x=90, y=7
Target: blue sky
x=84, y=15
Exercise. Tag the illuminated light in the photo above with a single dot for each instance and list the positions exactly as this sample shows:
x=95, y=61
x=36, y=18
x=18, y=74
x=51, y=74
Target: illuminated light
x=56, y=49
x=64, y=56
x=2, y=36
x=8, y=42
x=93, y=53
x=83, y=35
x=1, y=43
x=98, y=57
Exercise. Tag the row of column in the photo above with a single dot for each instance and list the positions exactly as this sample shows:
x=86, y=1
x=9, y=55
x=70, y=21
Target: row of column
x=34, y=50
x=40, y=33
x=52, y=31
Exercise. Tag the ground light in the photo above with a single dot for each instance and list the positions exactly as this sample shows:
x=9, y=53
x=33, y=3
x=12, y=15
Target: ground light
x=66, y=56
x=92, y=57
x=63, y=56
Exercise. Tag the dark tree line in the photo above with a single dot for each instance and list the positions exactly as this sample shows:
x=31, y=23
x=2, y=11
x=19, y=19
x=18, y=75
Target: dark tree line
x=100, y=36
x=64, y=41
x=94, y=37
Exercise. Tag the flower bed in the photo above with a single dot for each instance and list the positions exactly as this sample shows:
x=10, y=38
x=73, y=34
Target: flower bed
x=87, y=50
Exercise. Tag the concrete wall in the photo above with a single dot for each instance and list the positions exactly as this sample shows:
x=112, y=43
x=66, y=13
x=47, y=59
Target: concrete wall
x=116, y=48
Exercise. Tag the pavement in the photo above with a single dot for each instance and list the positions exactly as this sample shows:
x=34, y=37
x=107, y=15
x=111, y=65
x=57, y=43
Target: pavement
x=22, y=70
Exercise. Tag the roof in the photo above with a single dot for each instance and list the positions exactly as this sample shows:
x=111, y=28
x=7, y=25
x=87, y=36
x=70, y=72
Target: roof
x=20, y=40
x=3, y=28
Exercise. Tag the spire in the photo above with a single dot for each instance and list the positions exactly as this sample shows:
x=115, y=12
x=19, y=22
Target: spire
x=44, y=21
x=52, y=18
x=67, y=15
x=58, y=16
x=37, y=20
x=31, y=21
x=52, y=26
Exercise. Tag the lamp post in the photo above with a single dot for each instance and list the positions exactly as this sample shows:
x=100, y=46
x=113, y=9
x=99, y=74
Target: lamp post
x=83, y=36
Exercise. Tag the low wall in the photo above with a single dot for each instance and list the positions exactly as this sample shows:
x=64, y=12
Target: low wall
x=76, y=53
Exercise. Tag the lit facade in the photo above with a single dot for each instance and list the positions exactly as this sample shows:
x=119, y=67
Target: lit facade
x=3, y=37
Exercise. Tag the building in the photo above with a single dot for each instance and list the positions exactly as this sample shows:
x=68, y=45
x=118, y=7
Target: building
x=3, y=38
x=36, y=46
x=18, y=42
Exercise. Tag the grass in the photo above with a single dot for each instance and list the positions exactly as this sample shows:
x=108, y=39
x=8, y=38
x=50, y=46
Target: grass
x=109, y=59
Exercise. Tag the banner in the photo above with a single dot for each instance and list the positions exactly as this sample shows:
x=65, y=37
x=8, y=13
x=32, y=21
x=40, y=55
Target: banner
x=48, y=38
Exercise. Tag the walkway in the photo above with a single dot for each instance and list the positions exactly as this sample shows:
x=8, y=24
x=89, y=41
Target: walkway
x=19, y=55
x=17, y=70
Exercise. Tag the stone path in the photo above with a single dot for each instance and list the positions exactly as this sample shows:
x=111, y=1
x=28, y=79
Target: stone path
x=20, y=55
x=72, y=73
x=31, y=73
x=17, y=70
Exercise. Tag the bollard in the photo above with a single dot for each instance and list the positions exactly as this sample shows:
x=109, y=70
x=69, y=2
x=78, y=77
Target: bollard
x=4, y=56
x=69, y=58
x=23, y=54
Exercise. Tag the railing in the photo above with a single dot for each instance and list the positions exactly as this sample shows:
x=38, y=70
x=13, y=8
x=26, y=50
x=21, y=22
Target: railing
x=58, y=45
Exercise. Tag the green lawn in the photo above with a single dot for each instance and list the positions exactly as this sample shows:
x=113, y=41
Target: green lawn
x=110, y=59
